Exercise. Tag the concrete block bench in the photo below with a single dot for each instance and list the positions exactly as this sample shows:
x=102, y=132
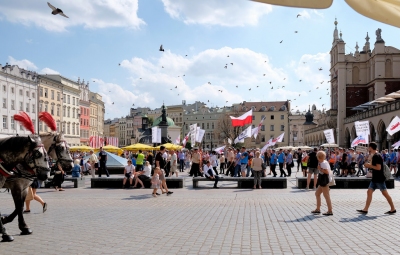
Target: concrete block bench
x=344, y=183
x=79, y=182
x=116, y=182
x=248, y=182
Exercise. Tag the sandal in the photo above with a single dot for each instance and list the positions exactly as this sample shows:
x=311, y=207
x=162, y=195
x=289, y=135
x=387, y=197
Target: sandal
x=390, y=212
x=316, y=212
x=328, y=214
x=362, y=211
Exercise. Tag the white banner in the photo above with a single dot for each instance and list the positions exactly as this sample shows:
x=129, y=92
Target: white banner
x=229, y=141
x=362, y=128
x=193, y=129
x=254, y=132
x=329, y=136
x=394, y=126
x=200, y=135
x=245, y=133
x=155, y=135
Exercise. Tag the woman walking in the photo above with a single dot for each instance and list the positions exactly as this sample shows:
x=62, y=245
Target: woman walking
x=323, y=187
x=34, y=186
x=58, y=178
x=256, y=165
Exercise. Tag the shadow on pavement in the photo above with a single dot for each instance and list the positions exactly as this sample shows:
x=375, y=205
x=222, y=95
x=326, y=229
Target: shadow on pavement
x=138, y=197
x=360, y=217
x=305, y=218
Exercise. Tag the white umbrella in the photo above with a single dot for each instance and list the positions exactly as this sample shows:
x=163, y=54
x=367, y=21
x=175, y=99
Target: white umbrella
x=386, y=11
x=330, y=145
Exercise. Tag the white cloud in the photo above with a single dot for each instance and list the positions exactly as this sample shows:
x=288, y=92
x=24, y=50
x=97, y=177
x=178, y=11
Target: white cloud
x=24, y=63
x=119, y=100
x=174, y=78
x=308, y=14
x=47, y=70
x=229, y=13
x=90, y=14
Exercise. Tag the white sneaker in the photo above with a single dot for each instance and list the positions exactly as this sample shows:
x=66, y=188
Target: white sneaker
x=306, y=189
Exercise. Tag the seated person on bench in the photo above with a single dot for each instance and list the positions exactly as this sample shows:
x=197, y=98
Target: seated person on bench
x=210, y=174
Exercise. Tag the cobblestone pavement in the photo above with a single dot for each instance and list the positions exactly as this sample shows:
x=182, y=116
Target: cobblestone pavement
x=203, y=221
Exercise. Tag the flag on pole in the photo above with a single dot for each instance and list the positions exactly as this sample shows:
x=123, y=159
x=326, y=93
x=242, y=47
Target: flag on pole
x=245, y=133
x=394, y=126
x=278, y=139
x=220, y=150
x=396, y=144
x=256, y=130
x=96, y=142
x=268, y=144
x=240, y=121
x=186, y=139
x=361, y=139
x=178, y=140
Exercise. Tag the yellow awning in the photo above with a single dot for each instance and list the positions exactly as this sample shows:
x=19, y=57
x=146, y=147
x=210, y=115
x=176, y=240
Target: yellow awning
x=138, y=146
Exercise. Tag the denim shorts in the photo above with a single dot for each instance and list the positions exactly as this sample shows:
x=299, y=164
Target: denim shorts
x=377, y=185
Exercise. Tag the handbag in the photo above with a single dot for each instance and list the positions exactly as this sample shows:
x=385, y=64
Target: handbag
x=331, y=179
x=323, y=179
x=292, y=164
x=29, y=195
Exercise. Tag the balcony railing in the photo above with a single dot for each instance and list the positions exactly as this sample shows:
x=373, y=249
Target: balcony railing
x=386, y=108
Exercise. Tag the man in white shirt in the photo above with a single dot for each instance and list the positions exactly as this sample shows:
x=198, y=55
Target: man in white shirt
x=210, y=174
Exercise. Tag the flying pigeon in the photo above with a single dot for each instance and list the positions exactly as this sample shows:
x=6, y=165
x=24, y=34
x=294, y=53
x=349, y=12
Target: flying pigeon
x=263, y=74
x=176, y=87
x=119, y=64
x=298, y=15
x=295, y=32
x=299, y=80
x=227, y=56
x=209, y=83
x=225, y=67
x=231, y=63
x=113, y=103
x=56, y=10
x=320, y=68
x=161, y=48
x=281, y=41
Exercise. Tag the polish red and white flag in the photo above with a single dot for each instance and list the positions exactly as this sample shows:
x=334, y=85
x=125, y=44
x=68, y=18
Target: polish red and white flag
x=278, y=139
x=185, y=139
x=245, y=119
x=394, y=126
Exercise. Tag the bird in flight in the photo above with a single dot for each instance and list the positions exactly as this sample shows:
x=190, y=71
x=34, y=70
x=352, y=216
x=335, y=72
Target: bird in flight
x=299, y=80
x=317, y=87
x=237, y=86
x=284, y=78
x=272, y=87
x=162, y=66
x=320, y=68
x=225, y=67
x=56, y=10
x=322, y=82
x=176, y=87
x=295, y=32
x=263, y=74
x=119, y=64
x=231, y=63
x=113, y=103
x=298, y=15
x=304, y=62
x=281, y=41
x=161, y=48
x=227, y=56
x=209, y=83
x=270, y=82
x=249, y=88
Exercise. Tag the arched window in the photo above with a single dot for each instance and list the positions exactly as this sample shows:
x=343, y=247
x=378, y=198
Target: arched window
x=356, y=75
x=388, y=68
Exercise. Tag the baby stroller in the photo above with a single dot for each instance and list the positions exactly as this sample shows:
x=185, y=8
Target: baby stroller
x=86, y=168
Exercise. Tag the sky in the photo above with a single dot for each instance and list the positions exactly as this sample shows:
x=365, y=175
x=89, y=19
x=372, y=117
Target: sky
x=216, y=51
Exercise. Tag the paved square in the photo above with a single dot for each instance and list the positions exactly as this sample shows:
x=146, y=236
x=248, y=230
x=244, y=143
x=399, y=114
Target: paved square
x=203, y=221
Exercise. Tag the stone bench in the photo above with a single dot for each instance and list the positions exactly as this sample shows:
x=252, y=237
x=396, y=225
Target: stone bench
x=116, y=182
x=248, y=182
x=344, y=183
x=79, y=182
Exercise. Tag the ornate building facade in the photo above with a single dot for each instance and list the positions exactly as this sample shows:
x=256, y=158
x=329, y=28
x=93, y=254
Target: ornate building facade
x=18, y=93
x=363, y=87
x=84, y=114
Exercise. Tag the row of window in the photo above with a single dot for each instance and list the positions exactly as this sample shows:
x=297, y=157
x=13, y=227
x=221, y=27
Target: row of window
x=271, y=127
x=85, y=134
x=272, y=117
x=21, y=106
x=44, y=92
x=66, y=110
x=21, y=92
x=85, y=111
x=12, y=122
x=84, y=122
x=67, y=128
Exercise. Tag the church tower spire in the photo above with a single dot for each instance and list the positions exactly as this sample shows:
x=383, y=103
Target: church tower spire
x=335, y=33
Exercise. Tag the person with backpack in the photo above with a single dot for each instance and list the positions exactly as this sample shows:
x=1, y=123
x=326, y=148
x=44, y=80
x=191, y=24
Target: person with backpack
x=376, y=164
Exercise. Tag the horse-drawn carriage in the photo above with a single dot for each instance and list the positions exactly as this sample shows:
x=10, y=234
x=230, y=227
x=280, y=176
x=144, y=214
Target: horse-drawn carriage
x=24, y=158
